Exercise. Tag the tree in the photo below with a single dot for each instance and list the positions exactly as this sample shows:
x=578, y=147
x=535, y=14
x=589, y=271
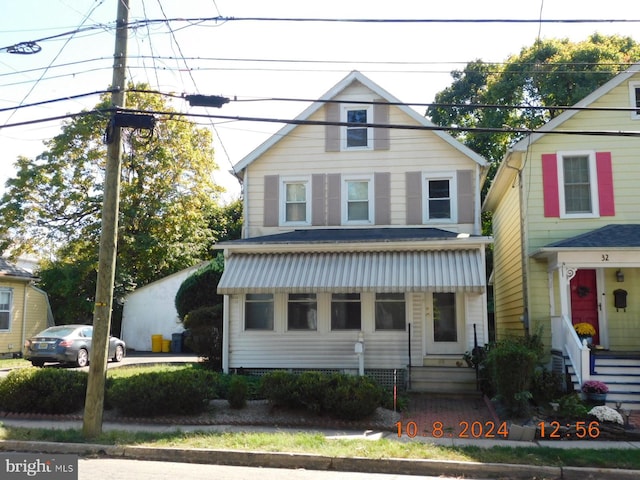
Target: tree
x=550, y=73
x=168, y=198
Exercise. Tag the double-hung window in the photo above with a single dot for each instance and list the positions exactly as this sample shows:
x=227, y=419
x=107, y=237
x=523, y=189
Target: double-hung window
x=358, y=200
x=302, y=311
x=6, y=296
x=346, y=311
x=578, y=184
x=356, y=135
x=390, y=311
x=295, y=206
x=258, y=311
x=440, y=193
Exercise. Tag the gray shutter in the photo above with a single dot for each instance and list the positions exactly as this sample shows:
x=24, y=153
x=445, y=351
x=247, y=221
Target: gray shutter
x=414, y=198
x=318, y=202
x=466, y=205
x=334, y=209
x=271, y=207
x=382, y=190
x=381, y=136
x=332, y=132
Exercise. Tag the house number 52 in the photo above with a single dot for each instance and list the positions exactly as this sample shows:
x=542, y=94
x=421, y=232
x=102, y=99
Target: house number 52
x=605, y=257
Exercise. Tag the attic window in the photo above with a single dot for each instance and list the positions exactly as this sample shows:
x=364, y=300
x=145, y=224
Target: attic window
x=356, y=135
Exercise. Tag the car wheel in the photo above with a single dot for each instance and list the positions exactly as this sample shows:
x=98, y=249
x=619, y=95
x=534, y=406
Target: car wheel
x=83, y=358
x=37, y=363
x=119, y=355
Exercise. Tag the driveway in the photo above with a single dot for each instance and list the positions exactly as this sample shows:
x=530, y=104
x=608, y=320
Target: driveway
x=131, y=358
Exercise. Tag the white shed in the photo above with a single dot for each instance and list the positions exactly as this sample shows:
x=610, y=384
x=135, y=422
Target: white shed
x=150, y=310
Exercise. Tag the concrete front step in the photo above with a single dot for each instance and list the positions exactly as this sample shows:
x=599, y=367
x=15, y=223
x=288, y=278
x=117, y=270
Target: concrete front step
x=451, y=380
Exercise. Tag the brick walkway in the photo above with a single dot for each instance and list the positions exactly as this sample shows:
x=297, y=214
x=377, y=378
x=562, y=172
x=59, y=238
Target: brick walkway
x=431, y=415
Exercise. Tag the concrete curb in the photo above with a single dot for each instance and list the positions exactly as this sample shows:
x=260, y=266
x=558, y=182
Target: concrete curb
x=398, y=466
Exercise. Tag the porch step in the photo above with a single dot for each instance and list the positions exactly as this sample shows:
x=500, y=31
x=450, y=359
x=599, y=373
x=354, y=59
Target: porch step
x=451, y=380
x=622, y=376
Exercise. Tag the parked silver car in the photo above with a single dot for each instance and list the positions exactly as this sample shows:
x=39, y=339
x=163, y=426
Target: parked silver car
x=67, y=344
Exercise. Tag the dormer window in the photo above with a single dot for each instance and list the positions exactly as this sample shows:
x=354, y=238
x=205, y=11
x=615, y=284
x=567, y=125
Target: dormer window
x=356, y=135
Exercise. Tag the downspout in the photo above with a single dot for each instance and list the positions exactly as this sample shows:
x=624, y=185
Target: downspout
x=24, y=317
x=225, y=327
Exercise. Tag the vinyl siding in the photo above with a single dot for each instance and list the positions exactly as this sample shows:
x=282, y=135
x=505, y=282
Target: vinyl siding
x=507, y=265
x=34, y=321
x=303, y=153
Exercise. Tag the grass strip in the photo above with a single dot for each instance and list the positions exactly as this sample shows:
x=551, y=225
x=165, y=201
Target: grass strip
x=315, y=443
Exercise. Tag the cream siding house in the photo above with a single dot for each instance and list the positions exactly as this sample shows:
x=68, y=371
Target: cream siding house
x=361, y=248
x=567, y=233
x=24, y=309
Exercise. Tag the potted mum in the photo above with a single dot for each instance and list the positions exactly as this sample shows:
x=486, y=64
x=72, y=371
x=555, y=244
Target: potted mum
x=585, y=330
x=595, y=391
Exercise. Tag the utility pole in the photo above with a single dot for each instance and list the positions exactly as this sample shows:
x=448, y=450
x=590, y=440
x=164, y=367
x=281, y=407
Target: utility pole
x=94, y=402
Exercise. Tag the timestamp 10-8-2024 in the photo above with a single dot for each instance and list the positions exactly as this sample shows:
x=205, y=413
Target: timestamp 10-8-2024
x=547, y=431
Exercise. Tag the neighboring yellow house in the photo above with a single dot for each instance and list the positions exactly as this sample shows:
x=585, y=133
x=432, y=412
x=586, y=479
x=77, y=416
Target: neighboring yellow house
x=566, y=228
x=24, y=309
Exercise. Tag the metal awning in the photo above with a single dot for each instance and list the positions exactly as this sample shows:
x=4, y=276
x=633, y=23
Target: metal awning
x=343, y=272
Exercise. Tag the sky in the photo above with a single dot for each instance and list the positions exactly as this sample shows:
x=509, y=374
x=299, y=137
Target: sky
x=252, y=61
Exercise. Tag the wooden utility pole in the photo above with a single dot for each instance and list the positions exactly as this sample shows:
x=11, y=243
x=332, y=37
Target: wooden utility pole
x=94, y=402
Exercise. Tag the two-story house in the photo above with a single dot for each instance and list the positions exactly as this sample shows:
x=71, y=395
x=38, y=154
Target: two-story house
x=361, y=248
x=566, y=224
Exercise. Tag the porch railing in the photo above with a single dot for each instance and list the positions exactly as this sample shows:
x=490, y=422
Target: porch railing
x=566, y=340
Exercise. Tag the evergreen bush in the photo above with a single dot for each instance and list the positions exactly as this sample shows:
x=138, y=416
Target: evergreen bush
x=43, y=390
x=238, y=390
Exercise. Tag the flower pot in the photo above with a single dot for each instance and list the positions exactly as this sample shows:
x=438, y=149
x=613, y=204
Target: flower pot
x=595, y=398
x=588, y=338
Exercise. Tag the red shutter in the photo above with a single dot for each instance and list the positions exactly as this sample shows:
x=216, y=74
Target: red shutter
x=605, y=184
x=550, y=185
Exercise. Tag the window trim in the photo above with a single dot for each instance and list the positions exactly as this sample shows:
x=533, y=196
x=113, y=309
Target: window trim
x=284, y=181
x=344, y=115
x=451, y=176
x=244, y=314
x=633, y=86
x=593, y=184
x=345, y=199
x=9, y=291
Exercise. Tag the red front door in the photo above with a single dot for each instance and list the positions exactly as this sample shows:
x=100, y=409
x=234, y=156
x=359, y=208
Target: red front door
x=584, y=300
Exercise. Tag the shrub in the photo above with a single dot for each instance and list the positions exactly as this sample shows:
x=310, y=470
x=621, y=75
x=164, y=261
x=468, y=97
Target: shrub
x=161, y=393
x=352, y=398
x=238, y=388
x=547, y=386
x=571, y=407
x=205, y=338
x=279, y=388
x=45, y=390
x=343, y=396
x=512, y=364
x=199, y=289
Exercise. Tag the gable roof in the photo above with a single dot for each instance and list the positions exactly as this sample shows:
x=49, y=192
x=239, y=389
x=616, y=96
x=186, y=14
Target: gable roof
x=506, y=172
x=524, y=143
x=333, y=92
x=13, y=271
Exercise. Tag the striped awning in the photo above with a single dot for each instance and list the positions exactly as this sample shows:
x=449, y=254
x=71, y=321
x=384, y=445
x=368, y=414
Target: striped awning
x=343, y=272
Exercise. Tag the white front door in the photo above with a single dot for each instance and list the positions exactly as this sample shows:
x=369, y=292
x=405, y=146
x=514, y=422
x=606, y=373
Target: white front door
x=444, y=323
